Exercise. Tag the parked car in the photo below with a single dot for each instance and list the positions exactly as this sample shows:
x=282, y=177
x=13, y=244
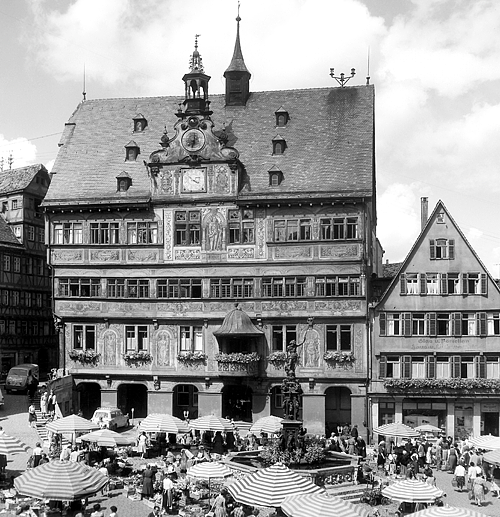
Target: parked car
x=17, y=378
x=110, y=418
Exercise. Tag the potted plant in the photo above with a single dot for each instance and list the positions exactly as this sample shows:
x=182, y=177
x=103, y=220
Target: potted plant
x=189, y=357
x=137, y=357
x=89, y=356
x=237, y=362
x=277, y=359
x=334, y=358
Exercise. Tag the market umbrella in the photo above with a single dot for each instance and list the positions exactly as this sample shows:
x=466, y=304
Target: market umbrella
x=209, y=470
x=270, y=486
x=492, y=457
x=412, y=491
x=268, y=424
x=60, y=481
x=11, y=445
x=446, y=511
x=488, y=441
x=162, y=423
x=321, y=504
x=397, y=429
x=107, y=438
x=428, y=428
x=71, y=424
x=211, y=423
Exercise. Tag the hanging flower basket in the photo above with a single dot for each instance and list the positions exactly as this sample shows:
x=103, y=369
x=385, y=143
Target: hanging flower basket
x=89, y=357
x=341, y=359
x=277, y=359
x=136, y=358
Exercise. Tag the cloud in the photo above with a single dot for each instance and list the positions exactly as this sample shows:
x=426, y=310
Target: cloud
x=474, y=234
x=49, y=165
x=22, y=151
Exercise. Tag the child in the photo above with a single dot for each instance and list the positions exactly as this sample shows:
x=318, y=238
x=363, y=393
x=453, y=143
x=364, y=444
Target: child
x=495, y=488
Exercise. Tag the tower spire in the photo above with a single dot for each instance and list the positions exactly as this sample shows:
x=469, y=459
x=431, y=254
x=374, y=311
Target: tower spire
x=237, y=74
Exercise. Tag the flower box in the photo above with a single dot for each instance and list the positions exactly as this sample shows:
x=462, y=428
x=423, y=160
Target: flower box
x=135, y=358
x=89, y=357
x=277, y=360
x=340, y=359
x=237, y=362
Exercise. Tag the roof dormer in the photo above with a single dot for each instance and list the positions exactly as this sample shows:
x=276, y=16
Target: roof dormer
x=279, y=145
x=123, y=182
x=132, y=151
x=140, y=123
x=282, y=117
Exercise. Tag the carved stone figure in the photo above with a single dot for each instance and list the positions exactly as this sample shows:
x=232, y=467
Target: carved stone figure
x=109, y=348
x=311, y=349
x=163, y=349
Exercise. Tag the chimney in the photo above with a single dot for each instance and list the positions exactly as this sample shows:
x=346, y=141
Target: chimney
x=424, y=212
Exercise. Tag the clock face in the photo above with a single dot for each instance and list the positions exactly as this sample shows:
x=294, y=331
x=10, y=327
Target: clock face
x=193, y=140
x=193, y=180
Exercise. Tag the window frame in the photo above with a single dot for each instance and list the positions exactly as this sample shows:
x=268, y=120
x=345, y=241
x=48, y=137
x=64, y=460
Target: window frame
x=136, y=338
x=142, y=232
x=336, y=336
x=241, y=226
x=284, y=287
x=191, y=338
x=179, y=288
x=84, y=336
x=187, y=231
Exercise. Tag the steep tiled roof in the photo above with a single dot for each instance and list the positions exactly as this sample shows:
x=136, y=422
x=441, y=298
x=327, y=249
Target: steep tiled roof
x=329, y=138
x=391, y=270
x=6, y=234
x=18, y=179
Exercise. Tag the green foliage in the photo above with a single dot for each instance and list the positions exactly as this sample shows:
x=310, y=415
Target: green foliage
x=339, y=357
x=455, y=384
x=238, y=358
x=313, y=453
x=84, y=356
x=185, y=357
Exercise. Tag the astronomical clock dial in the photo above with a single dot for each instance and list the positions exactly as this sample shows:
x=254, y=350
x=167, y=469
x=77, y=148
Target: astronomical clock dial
x=193, y=180
x=193, y=140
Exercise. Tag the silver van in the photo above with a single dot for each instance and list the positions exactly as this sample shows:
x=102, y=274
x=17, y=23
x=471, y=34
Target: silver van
x=17, y=378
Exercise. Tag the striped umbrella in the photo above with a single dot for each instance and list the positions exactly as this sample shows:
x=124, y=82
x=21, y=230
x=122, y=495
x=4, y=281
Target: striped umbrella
x=412, y=491
x=161, y=423
x=107, y=438
x=60, y=481
x=488, y=441
x=428, y=428
x=324, y=505
x=211, y=423
x=397, y=429
x=209, y=470
x=492, y=457
x=11, y=445
x=270, y=486
x=446, y=511
x=71, y=424
x=268, y=424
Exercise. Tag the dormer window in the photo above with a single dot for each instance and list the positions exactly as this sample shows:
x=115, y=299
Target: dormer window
x=275, y=177
x=132, y=151
x=140, y=123
x=279, y=145
x=282, y=117
x=123, y=182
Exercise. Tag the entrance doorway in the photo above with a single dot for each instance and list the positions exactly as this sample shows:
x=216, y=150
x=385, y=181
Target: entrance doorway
x=133, y=396
x=490, y=423
x=89, y=398
x=185, y=405
x=337, y=408
x=237, y=402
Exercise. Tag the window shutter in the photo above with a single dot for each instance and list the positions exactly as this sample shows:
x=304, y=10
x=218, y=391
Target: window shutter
x=382, y=323
x=451, y=249
x=480, y=361
x=430, y=370
x=481, y=324
x=456, y=322
x=431, y=323
x=444, y=283
x=402, y=282
x=455, y=366
x=406, y=367
x=484, y=283
x=423, y=283
x=406, y=324
x=433, y=249
x=382, y=366
x=465, y=286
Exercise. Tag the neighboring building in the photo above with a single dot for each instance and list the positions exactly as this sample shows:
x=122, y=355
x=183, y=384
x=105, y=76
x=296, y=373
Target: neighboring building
x=26, y=325
x=436, y=337
x=265, y=199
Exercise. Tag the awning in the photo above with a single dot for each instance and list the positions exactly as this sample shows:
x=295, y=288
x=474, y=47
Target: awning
x=237, y=323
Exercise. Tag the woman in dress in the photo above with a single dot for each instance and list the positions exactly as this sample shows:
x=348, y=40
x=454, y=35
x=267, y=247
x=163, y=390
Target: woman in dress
x=147, y=482
x=452, y=458
x=32, y=416
x=220, y=504
x=478, y=488
x=142, y=444
x=43, y=404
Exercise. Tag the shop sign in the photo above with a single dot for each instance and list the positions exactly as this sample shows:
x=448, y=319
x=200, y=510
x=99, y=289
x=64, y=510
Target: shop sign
x=489, y=407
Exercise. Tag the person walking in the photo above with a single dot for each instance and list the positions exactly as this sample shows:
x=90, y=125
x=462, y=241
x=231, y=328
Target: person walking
x=32, y=416
x=219, y=505
x=460, y=476
x=142, y=445
x=478, y=489
x=43, y=404
x=37, y=454
x=168, y=487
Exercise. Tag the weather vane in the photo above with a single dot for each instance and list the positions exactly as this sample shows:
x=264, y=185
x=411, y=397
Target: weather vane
x=342, y=79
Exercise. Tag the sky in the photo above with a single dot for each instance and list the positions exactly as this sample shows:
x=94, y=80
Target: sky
x=435, y=65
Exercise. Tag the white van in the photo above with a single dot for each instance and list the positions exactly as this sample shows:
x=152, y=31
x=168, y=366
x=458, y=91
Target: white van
x=17, y=378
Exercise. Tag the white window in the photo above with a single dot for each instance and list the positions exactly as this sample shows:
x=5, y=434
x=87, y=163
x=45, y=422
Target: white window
x=467, y=368
x=84, y=337
x=469, y=324
x=18, y=231
x=492, y=368
x=493, y=324
x=136, y=337
x=418, y=323
x=17, y=264
x=394, y=325
x=191, y=339
x=393, y=367
x=412, y=283
x=68, y=233
x=418, y=368
x=432, y=283
x=142, y=233
x=442, y=368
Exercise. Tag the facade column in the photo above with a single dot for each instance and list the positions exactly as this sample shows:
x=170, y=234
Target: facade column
x=358, y=411
x=450, y=419
x=398, y=410
x=313, y=412
x=261, y=405
x=374, y=416
x=476, y=418
x=160, y=401
x=209, y=403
